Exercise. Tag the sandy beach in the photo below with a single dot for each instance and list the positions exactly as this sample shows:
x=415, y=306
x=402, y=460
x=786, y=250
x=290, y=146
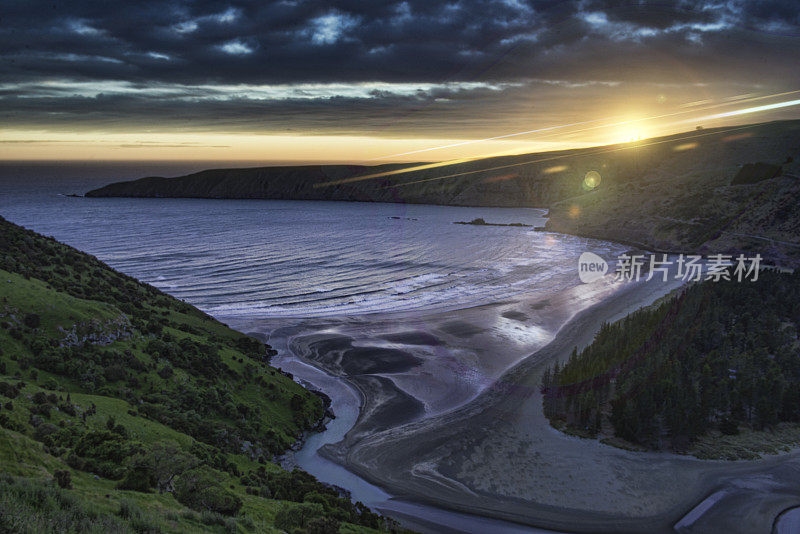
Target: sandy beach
x=450, y=415
x=498, y=456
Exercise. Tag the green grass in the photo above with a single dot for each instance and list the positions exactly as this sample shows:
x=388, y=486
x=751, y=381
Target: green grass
x=99, y=372
x=56, y=309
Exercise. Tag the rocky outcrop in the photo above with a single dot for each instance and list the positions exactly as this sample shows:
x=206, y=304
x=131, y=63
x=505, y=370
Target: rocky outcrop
x=96, y=332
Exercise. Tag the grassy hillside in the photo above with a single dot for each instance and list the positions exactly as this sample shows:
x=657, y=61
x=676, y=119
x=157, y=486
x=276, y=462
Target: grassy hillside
x=714, y=371
x=718, y=192
x=123, y=409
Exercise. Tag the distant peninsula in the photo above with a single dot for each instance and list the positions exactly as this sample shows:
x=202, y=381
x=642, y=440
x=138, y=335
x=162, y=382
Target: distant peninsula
x=724, y=190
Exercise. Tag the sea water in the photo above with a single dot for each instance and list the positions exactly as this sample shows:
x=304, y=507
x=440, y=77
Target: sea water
x=267, y=258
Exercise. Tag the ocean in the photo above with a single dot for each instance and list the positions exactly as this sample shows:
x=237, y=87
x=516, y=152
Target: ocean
x=269, y=259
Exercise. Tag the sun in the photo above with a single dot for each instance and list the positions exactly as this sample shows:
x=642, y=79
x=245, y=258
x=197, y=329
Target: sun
x=630, y=134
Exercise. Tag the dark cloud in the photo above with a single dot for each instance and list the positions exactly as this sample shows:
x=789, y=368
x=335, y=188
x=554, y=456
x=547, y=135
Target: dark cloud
x=656, y=15
x=295, y=41
x=184, y=44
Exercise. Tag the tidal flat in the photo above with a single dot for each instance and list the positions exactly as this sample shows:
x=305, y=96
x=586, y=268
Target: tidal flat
x=449, y=414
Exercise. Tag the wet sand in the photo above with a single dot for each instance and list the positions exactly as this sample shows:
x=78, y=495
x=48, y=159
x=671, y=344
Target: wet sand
x=498, y=456
x=451, y=416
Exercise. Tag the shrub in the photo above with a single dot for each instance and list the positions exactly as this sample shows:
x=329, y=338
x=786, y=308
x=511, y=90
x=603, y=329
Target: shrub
x=32, y=320
x=8, y=390
x=115, y=372
x=201, y=489
x=165, y=372
x=44, y=431
x=103, y=453
x=50, y=384
x=40, y=409
x=293, y=516
x=137, y=478
x=323, y=525
x=296, y=403
x=63, y=478
x=158, y=466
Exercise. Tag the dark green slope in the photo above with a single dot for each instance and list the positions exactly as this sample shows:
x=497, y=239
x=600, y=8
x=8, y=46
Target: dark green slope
x=714, y=371
x=155, y=416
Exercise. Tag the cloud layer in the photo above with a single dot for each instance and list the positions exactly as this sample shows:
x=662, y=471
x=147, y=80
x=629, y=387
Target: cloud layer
x=391, y=67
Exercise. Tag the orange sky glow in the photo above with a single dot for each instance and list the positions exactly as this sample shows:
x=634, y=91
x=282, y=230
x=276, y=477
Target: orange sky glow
x=372, y=148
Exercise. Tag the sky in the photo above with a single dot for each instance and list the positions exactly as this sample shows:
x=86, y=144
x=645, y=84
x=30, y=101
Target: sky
x=372, y=81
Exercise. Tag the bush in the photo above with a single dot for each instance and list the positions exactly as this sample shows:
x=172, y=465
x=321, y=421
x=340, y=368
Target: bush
x=165, y=372
x=8, y=390
x=296, y=403
x=44, y=431
x=114, y=373
x=103, y=453
x=63, y=478
x=32, y=320
x=323, y=525
x=297, y=515
x=137, y=478
x=157, y=467
x=201, y=489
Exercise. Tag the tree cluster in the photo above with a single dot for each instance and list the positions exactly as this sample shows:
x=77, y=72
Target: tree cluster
x=719, y=355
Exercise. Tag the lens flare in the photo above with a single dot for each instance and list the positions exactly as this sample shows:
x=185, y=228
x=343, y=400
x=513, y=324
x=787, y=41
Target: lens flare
x=745, y=111
x=591, y=180
x=555, y=169
x=736, y=137
x=685, y=146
